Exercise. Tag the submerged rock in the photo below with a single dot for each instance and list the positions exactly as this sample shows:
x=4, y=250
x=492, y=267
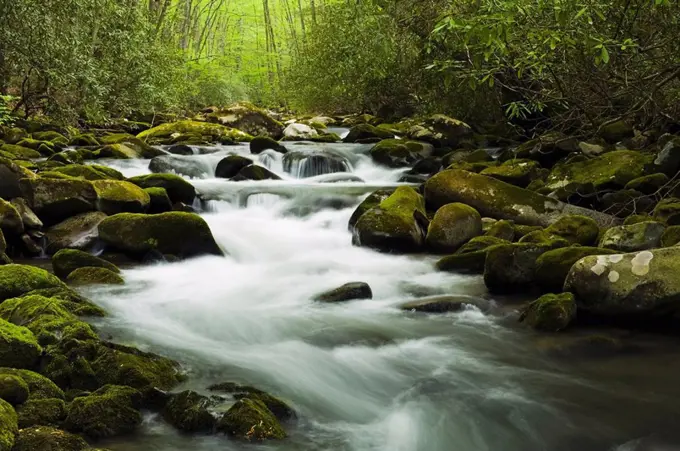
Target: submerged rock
x=347, y=292
x=550, y=313
x=453, y=225
x=261, y=143
x=41, y=438
x=444, y=304
x=250, y=419
x=631, y=238
x=188, y=412
x=77, y=232
x=108, y=412
x=179, y=164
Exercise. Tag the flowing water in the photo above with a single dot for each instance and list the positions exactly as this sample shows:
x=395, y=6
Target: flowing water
x=364, y=375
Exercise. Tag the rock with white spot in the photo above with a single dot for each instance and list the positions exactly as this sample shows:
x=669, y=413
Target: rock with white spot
x=643, y=284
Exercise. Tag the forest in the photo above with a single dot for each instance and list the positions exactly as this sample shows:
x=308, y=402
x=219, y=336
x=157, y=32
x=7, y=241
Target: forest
x=539, y=64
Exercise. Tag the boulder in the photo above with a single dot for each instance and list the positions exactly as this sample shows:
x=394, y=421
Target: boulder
x=366, y=132
x=296, y=131
x=261, y=143
x=546, y=149
x=50, y=135
x=29, y=219
x=108, y=412
x=631, y=238
x=248, y=118
x=10, y=174
x=550, y=313
x=668, y=160
x=543, y=237
x=635, y=283
x=10, y=219
x=138, y=234
x=182, y=165
x=447, y=132
x=159, y=201
x=85, y=139
x=255, y=172
x=41, y=412
x=553, y=266
x=500, y=200
x=305, y=164
x=373, y=200
x=518, y=172
x=445, y=304
x=577, y=229
x=668, y=211
x=452, y=226
x=117, y=196
x=502, y=229
x=48, y=439
x=648, y=184
x=250, y=419
x=188, y=412
x=13, y=389
x=94, y=276
x=55, y=200
x=18, y=346
x=616, y=131
x=178, y=189
x=230, y=166
x=39, y=387
x=180, y=149
x=66, y=261
x=16, y=280
x=13, y=135
x=395, y=225
x=16, y=152
x=397, y=153
x=8, y=426
x=347, y=292
x=624, y=203
x=163, y=134
x=511, y=268
x=671, y=236
x=78, y=232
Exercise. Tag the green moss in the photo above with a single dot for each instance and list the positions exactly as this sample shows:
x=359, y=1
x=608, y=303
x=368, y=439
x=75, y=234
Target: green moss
x=511, y=268
x=67, y=157
x=39, y=387
x=668, y=211
x=480, y=243
x=213, y=132
x=18, y=346
x=576, y=229
x=86, y=139
x=55, y=200
x=20, y=152
x=178, y=189
x=636, y=237
x=452, y=226
x=250, y=419
x=16, y=280
x=94, y=276
x=13, y=389
x=75, y=231
x=468, y=262
x=8, y=426
x=88, y=172
x=188, y=412
x=41, y=412
x=518, y=172
x=671, y=236
x=14, y=135
x=116, y=138
x=108, y=412
x=551, y=313
x=10, y=219
x=399, y=153
x=45, y=148
x=614, y=132
x=366, y=131
x=522, y=230
x=159, y=200
x=636, y=219
x=68, y=260
x=553, y=266
x=138, y=234
x=372, y=201
x=502, y=229
x=115, y=196
x=48, y=439
x=71, y=301
x=648, y=184
x=53, y=136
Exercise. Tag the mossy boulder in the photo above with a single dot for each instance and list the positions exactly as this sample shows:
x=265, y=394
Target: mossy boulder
x=668, y=159
x=631, y=238
x=116, y=196
x=248, y=118
x=577, y=229
x=373, y=200
x=189, y=412
x=496, y=199
x=616, y=131
x=41, y=412
x=16, y=280
x=511, y=268
x=66, y=261
x=55, y=200
x=553, y=266
x=366, y=132
x=17, y=152
x=10, y=219
x=86, y=139
x=30, y=219
x=546, y=149
x=163, y=134
x=636, y=284
x=71, y=301
x=648, y=184
x=395, y=225
x=503, y=229
x=671, y=236
x=668, y=211
x=89, y=172
x=108, y=412
x=13, y=135
x=41, y=438
x=94, y=276
x=13, y=389
x=181, y=165
x=347, y=292
x=518, y=172
x=445, y=131
x=543, y=237
x=397, y=153
x=78, y=232
x=551, y=312
x=469, y=260
x=138, y=234
x=178, y=189
x=10, y=174
x=261, y=143
x=255, y=172
x=50, y=135
x=452, y=226
x=480, y=243
x=250, y=419
x=8, y=426
x=159, y=201
x=4, y=259
x=18, y=346
x=39, y=387
x=230, y=166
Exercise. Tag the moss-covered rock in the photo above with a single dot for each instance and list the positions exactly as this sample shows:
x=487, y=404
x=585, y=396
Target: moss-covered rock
x=94, y=276
x=78, y=232
x=188, y=412
x=444, y=131
x=18, y=346
x=248, y=118
x=255, y=172
x=116, y=196
x=395, y=225
x=373, y=200
x=551, y=312
x=89, y=172
x=363, y=132
x=86, y=139
x=159, y=201
x=511, y=268
x=480, y=243
x=41, y=412
x=48, y=439
x=66, y=261
x=10, y=219
x=577, y=229
x=4, y=259
x=347, y=292
x=636, y=219
x=108, y=412
x=445, y=304
x=668, y=211
x=128, y=148
x=452, y=226
x=50, y=135
x=65, y=157
x=209, y=132
x=250, y=419
x=397, y=153
x=546, y=149
x=70, y=300
x=616, y=131
x=13, y=389
x=503, y=229
x=10, y=174
x=553, y=266
x=177, y=188
x=261, y=143
x=17, y=152
x=648, y=184
x=230, y=166
x=55, y=200
x=543, y=237
x=671, y=236
x=13, y=135
x=518, y=172
x=30, y=219
x=16, y=280
x=8, y=426
x=138, y=234
x=468, y=260
x=500, y=200
x=631, y=238
x=39, y=387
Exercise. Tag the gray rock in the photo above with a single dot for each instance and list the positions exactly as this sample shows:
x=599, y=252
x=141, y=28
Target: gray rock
x=444, y=304
x=635, y=237
x=347, y=292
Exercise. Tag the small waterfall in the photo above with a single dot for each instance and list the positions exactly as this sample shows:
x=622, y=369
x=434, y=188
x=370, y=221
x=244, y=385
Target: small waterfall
x=271, y=160
x=301, y=165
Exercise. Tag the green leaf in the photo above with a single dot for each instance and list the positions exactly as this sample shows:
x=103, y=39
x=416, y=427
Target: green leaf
x=604, y=55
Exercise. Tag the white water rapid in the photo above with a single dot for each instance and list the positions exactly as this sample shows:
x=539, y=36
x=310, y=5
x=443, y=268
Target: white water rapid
x=363, y=375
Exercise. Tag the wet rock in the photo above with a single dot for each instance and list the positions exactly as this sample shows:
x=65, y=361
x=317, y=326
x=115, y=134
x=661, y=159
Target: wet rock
x=179, y=164
x=547, y=149
x=518, y=172
x=444, y=131
x=427, y=166
x=261, y=143
x=13, y=389
x=48, y=439
x=250, y=419
x=159, y=201
x=668, y=160
x=230, y=166
x=553, y=266
x=671, y=236
x=10, y=174
x=543, y=237
x=29, y=219
x=304, y=164
x=298, y=131
x=13, y=135
x=635, y=283
x=366, y=132
x=395, y=225
x=591, y=149
x=16, y=280
x=576, y=229
x=94, y=276
x=188, y=412
x=373, y=200
x=452, y=226
x=255, y=172
x=39, y=386
x=10, y=219
x=444, y=304
x=347, y=292
x=8, y=426
x=624, y=203
x=502, y=229
x=178, y=189
x=550, y=313
x=41, y=412
x=616, y=131
x=55, y=200
x=648, y=184
x=138, y=234
x=116, y=196
x=18, y=346
x=202, y=131
x=17, y=152
x=397, y=153
x=179, y=149
x=77, y=232
x=471, y=257
x=511, y=268
x=631, y=238
x=248, y=118
x=86, y=139
x=500, y=200
x=668, y=211
x=108, y=412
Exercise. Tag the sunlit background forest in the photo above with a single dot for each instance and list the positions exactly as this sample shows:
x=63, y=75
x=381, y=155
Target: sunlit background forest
x=563, y=63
